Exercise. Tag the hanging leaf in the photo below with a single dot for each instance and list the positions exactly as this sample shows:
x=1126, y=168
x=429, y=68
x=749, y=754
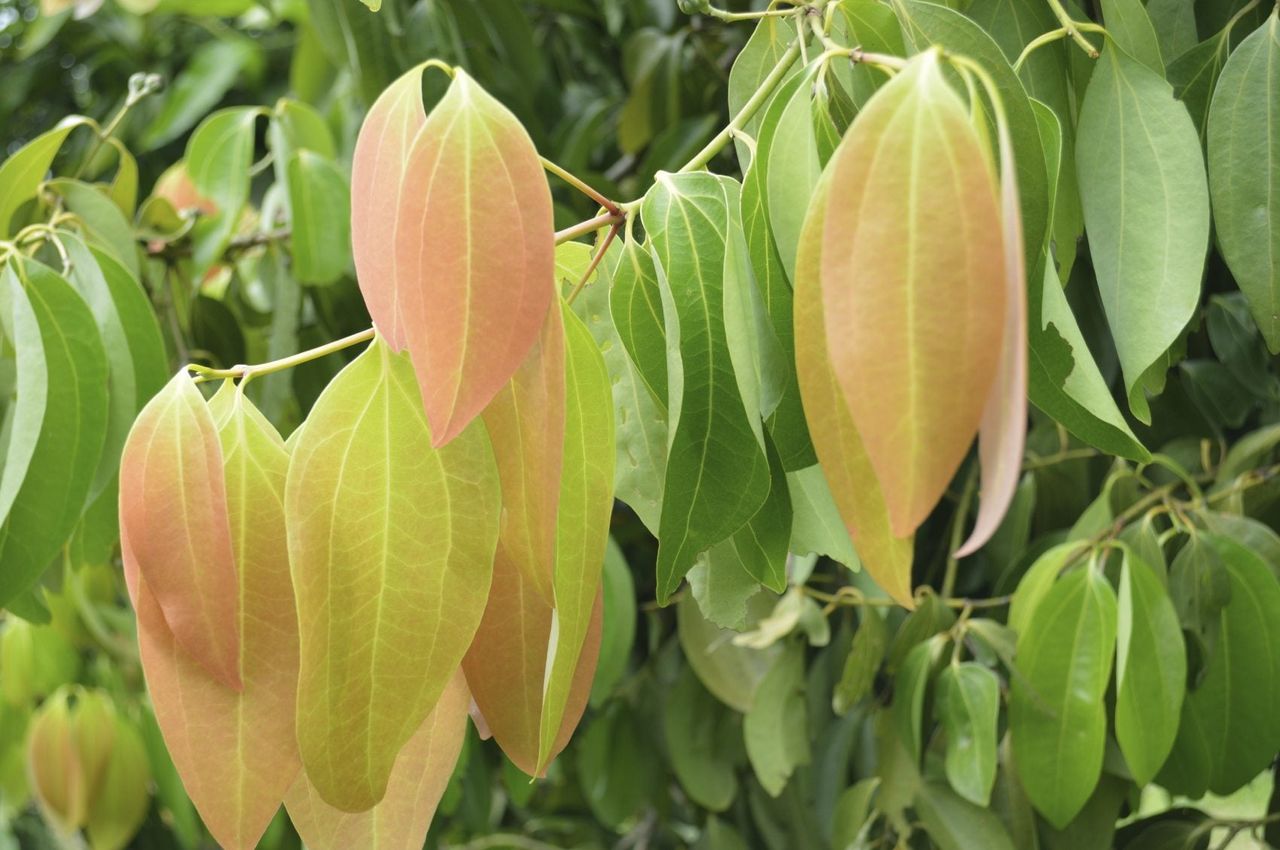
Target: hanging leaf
x=957, y=824
x=1057, y=717
x=320, y=204
x=1146, y=209
x=919, y=280
x=969, y=707
x=417, y=782
x=1244, y=172
x=1002, y=435
x=582, y=526
x=381, y=628
x=635, y=303
x=619, y=612
x=236, y=751
x=774, y=729
x=31, y=388
x=839, y=446
x=789, y=165
x=173, y=511
x=1230, y=725
x=717, y=473
x=764, y=50
x=45, y=504
x=1151, y=670
x=730, y=672
x=121, y=804
x=1129, y=28
x=640, y=422
x=219, y=154
x=526, y=424
x=704, y=741
x=22, y=173
x=909, y=688
x=467, y=310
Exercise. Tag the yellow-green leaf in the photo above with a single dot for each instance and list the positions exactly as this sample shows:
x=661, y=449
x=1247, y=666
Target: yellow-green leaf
x=391, y=544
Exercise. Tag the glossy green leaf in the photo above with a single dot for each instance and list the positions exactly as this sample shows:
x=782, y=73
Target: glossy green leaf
x=1147, y=219
x=969, y=708
x=1244, y=171
x=1057, y=718
x=732, y=673
x=1130, y=29
x=63, y=461
x=24, y=413
x=910, y=686
x=219, y=154
x=99, y=219
x=704, y=742
x=775, y=730
x=954, y=823
x=620, y=613
x=717, y=474
x=772, y=276
x=1151, y=670
x=640, y=421
x=1230, y=725
x=763, y=50
x=21, y=173
x=210, y=72
x=381, y=628
x=321, y=206
x=635, y=303
x=866, y=653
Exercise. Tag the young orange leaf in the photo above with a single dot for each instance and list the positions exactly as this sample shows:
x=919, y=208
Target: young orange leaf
x=454, y=246
x=525, y=422
x=421, y=773
x=377, y=184
x=173, y=509
x=391, y=546
x=507, y=663
x=835, y=438
x=914, y=299
x=236, y=752
x=1003, y=433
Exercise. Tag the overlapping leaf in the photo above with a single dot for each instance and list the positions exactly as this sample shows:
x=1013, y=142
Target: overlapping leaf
x=418, y=781
x=1146, y=208
x=235, y=750
x=173, y=511
x=913, y=295
x=717, y=473
x=20, y=174
x=1244, y=171
x=839, y=446
x=463, y=259
x=391, y=544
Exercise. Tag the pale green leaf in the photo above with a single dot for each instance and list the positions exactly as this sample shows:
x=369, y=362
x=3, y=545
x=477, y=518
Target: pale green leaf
x=1244, y=171
x=21, y=173
x=732, y=673
x=320, y=202
x=763, y=50
x=219, y=154
x=954, y=823
x=775, y=730
x=1130, y=29
x=969, y=707
x=704, y=740
x=1146, y=205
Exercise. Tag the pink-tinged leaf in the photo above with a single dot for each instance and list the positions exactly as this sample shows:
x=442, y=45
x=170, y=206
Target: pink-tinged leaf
x=377, y=186
x=474, y=254
x=173, y=509
x=912, y=284
x=1002, y=435
x=421, y=774
x=840, y=451
x=507, y=663
x=525, y=422
x=236, y=752
x=391, y=546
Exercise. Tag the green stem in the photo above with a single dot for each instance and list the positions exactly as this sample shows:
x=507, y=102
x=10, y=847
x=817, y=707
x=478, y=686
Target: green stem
x=140, y=85
x=580, y=184
x=595, y=261
x=726, y=15
x=750, y=108
x=1054, y=35
x=204, y=373
x=1072, y=28
x=957, y=533
x=591, y=225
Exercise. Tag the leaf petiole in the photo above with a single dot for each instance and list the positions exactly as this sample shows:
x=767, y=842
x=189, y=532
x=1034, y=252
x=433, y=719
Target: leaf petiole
x=245, y=373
